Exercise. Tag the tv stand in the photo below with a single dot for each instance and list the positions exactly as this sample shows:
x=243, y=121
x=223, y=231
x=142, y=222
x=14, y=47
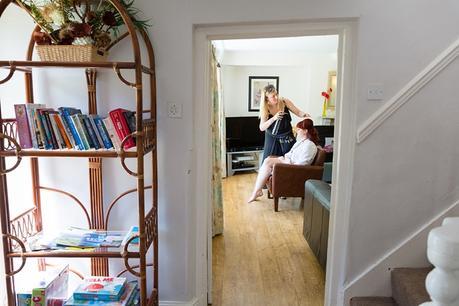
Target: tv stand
x=243, y=161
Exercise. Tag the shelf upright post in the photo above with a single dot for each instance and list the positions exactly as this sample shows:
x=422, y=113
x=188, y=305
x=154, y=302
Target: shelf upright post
x=99, y=266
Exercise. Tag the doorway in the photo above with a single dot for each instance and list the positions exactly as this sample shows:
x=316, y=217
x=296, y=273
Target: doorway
x=344, y=140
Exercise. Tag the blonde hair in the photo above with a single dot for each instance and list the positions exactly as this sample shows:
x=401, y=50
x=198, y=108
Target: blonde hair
x=264, y=111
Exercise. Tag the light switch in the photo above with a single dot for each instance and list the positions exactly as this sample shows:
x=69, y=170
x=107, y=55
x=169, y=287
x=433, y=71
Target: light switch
x=375, y=92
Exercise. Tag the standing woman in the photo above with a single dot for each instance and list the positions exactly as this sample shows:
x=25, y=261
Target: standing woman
x=279, y=137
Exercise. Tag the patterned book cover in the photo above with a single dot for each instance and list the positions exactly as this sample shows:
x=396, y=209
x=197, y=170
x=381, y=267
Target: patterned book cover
x=23, y=126
x=104, y=289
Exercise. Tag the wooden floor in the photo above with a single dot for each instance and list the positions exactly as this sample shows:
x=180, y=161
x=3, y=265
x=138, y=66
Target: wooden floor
x=262, y=257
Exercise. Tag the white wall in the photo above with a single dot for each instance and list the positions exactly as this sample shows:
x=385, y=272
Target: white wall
x=404, y=173
x=302, y=78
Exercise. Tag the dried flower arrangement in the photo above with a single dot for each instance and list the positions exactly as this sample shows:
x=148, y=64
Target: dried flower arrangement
x=79, y=22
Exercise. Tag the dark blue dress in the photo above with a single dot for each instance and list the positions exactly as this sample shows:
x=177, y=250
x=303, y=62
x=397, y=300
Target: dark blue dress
x=283, y=141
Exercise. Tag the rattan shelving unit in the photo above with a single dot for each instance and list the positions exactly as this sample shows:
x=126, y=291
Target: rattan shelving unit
x=16, y=231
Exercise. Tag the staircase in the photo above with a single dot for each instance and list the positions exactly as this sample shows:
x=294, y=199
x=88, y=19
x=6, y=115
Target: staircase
x=408, y=289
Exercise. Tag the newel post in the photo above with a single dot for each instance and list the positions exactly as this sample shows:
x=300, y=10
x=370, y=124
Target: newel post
x=442, y=283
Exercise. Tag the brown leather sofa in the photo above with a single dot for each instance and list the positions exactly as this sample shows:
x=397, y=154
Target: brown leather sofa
x=288, y=180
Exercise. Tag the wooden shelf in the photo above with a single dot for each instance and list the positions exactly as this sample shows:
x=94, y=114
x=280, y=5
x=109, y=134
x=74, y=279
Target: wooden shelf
x=96, y=253
x=70, y=153
x=28, y=65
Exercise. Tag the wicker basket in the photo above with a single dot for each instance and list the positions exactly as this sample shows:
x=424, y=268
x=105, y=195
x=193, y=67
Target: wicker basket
x=70, y=53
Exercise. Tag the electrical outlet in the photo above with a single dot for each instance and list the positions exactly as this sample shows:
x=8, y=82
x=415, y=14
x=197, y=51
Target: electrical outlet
x=174, y=110
x=375, y=92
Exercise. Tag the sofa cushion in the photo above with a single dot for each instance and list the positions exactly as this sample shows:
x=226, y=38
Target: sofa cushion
x=320, y=190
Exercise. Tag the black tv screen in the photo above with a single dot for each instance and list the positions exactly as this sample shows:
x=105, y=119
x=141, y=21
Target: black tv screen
x=243, y=134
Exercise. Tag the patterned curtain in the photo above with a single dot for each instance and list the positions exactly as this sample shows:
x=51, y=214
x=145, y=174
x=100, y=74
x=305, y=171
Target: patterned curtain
x=218, y=146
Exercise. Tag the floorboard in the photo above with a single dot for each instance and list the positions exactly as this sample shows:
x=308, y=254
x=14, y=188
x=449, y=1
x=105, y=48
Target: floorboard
x=262, y=257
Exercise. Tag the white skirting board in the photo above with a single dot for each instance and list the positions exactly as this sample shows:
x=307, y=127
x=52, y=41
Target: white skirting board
x=375, y=281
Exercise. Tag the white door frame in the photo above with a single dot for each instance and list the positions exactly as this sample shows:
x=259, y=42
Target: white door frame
x=345, y=129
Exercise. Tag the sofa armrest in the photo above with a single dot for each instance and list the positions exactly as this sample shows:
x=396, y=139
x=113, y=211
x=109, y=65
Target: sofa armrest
x=288, y=180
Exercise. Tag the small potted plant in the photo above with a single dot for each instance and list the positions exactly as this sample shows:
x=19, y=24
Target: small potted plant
x=77, y=30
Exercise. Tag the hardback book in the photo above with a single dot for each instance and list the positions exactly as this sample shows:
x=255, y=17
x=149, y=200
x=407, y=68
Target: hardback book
x=68, y=132
x=102, y=289
x=40, y=131
x=121, y=127
x=46, y=122
x=22, y=122
x=130, y=119
x=92, y=139
x=130, y=296
x=66, y=113
x=96, y=131
x=111, y=133
x=59, y=130
x=37, y=142
x=102, y=131
x=80, y=131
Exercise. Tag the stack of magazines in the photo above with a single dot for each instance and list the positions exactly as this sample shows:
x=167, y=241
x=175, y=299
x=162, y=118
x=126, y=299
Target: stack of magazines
x=108, y=291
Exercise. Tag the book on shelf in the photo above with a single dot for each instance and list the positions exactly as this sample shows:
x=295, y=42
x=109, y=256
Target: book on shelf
x=101, y=288
x=121, y=127
x=133, y=231
x=25, y=140
x=129, y=297
x=44, y=288
x=75, y=239
x=40, y=127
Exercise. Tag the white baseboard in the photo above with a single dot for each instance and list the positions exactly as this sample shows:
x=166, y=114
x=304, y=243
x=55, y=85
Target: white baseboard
x=375, y=281
x=193, y=302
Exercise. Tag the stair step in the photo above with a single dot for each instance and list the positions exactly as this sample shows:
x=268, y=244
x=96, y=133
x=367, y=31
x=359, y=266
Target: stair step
x=373, y=301
x=408, y=286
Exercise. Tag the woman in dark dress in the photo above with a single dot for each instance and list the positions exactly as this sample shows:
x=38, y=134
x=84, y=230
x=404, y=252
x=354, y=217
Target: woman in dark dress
x=275, y=120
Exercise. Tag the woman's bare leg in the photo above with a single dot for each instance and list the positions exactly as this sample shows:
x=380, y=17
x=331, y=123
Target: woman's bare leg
x=263, y=174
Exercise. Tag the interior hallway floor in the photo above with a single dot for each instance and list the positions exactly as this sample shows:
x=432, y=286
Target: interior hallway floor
x=262, y=258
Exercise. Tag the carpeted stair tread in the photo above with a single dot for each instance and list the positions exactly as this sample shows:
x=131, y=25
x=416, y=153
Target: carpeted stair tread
x=373, y=301
x=408, y=286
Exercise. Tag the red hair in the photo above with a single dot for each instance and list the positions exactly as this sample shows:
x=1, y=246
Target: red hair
x=308, y=124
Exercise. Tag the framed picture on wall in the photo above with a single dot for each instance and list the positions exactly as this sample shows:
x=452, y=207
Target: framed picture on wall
x=332, y=86
x=256, y=85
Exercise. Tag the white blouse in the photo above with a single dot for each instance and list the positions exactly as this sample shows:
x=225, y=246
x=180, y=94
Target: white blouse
x=302, y=152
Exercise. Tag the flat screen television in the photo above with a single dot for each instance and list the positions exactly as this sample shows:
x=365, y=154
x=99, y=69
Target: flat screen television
x=243, y=134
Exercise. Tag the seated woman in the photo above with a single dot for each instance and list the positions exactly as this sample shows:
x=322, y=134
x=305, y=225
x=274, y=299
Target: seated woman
x=302, y=153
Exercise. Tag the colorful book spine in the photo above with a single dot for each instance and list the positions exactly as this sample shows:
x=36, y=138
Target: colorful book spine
x=102, y=131
x=34, y=132
x=121, y=127
x=111, y=133
x=56, y=131
x=44, y=115
x=96, y=131
x=63, y=132
x=66, y=113
x=40, y=131
x=80, y=131
x=22, y=122
x=91, y=132
x=68, y=131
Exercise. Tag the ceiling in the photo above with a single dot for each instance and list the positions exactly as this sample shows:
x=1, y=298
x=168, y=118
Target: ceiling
x=309, y=44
